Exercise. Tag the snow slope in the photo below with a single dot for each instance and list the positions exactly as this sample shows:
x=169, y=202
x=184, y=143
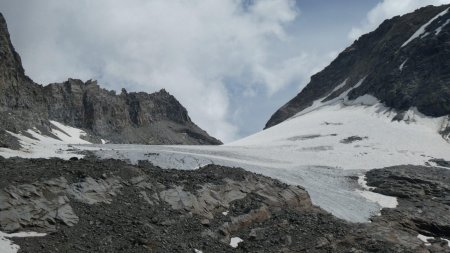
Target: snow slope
x=37, y=145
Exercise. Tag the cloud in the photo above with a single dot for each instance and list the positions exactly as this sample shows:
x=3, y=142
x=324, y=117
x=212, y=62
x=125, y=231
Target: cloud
x=194, y=49
x=388, y=9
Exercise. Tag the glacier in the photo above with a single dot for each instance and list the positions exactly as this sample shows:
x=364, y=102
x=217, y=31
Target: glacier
x=323, y=149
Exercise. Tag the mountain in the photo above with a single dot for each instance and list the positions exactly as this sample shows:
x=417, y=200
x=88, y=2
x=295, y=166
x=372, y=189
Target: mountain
x=404, y=64
x=377, y=105
x=29, y=110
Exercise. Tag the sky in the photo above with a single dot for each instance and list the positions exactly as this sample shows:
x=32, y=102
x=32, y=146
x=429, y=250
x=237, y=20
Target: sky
x=231, y=63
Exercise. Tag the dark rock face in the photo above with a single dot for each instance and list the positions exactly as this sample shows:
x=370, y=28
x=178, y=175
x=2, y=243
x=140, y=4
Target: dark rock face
x=141, y=118
x=415, y=75
x=156, y=118
x=423, y=194
x=111, y=206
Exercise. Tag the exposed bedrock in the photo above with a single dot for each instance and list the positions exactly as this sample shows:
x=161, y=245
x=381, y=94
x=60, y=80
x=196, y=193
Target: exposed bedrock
x=110, y=206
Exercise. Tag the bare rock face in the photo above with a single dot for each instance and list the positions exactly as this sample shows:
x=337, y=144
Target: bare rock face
x=400, y=76
x=40, y=204
x=156, y=118
x=139, y=118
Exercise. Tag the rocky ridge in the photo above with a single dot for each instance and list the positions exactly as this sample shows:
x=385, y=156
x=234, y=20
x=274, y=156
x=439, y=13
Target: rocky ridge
x=108, y=206
x=130, y=117
x=401, y=75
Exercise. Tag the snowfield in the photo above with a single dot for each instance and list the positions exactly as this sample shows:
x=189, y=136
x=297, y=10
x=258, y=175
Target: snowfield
x=320, y=148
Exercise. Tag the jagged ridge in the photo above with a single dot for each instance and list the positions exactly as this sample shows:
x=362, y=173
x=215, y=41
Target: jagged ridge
x=140, y=118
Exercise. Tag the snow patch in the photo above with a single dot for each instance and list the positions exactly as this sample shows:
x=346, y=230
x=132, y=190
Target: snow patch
x=234, y=242
x=198, y=251
x=69, y=135
x=421, y=30
x=402, y=65
x=362, y=181
x=225, y=213
x=439, y=29
x=319, y=102
x=383, y=200
x=37, y=145
x=7, y=246
x=339, y=86
x=367, y=100
x=448, y=241
x=425, y=239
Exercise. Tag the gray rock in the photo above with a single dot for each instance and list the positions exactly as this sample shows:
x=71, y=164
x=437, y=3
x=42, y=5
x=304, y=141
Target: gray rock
x=39, y=204
x=134, y=117
x=91, y=191
x=185, y=210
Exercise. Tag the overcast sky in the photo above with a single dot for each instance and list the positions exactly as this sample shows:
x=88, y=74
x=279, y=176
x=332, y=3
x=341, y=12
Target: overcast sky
x=231, y=63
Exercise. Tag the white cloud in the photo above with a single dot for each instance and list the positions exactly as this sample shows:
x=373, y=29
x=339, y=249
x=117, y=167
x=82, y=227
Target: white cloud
x=191, y=48
x=388, y=9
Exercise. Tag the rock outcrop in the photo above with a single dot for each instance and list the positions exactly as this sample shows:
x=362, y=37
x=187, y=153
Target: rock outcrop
x=111, y=206
x=400, y=72
x=141, y=118
x=423, y=194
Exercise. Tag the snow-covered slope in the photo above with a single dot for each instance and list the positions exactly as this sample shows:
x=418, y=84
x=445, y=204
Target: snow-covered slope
x=354, y=136
x=37, y=145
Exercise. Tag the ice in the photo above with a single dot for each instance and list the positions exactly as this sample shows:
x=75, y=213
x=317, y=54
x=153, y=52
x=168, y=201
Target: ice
x=307, y=150
x=6, y=246
x=421, y=30
x=235, y=241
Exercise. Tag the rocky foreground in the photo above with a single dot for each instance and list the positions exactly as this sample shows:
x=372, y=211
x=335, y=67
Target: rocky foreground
x=110, y=206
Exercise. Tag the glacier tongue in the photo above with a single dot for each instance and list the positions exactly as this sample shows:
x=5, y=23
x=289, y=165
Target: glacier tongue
x=319, y=150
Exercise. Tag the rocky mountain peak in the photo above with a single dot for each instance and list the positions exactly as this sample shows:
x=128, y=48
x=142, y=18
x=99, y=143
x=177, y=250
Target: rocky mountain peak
x=11, y=70
x=134, y=117
x=403, y=63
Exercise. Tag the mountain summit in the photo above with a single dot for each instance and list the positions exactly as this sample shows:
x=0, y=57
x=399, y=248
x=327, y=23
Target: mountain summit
x=37, y=112
x=404, y=64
